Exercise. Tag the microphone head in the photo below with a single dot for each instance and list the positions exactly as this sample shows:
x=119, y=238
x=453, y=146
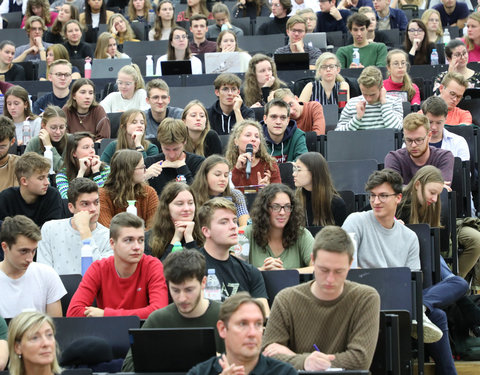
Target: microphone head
x=249, y=148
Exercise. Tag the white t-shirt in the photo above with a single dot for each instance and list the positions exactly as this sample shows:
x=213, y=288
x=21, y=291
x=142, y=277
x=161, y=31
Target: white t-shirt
x=39, y=286
x=114, y=102
x=196, y=65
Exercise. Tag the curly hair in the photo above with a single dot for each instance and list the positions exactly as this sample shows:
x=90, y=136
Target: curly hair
x=171, y=49
x=407, y=81
x=120, y=185
x=158, y=26
x=22, y=94
x=196, y=147
x=260, y=214
x=163, y=227
x=422, y=53
x=252, y=91
x=122, y=137
x=132, y=13
x=45, y=10
x=232, y=152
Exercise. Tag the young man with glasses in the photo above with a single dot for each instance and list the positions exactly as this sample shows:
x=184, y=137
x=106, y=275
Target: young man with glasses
x=285, y=141
x=60, y=75
x=452, y=88
x=280, y=10
x=418, y=152
x=330, y=18
x=296, y=30
x=229, y=108
x=35, y=49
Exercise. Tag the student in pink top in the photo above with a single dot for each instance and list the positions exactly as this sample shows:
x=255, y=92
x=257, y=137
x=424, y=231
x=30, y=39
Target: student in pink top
x=472, y=40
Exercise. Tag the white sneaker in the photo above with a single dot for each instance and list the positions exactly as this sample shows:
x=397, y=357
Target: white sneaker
x=431, y=333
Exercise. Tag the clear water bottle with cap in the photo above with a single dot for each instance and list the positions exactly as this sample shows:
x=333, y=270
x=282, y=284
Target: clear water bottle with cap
x=132, y=209
x=27, y=132
x=446, y=36
x=88, y=68
x=151, y=16
x=213, y=290
x=49, y=155
x=434, y=57
x=177, y=246
x=1, y=104
x=149, y=66
x=243, y=246
x=87, y=255
x=356, y=56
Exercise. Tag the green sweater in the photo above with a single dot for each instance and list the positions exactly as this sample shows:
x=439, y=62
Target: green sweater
x=296, y=256
x=35, y=146
x=112, y=147
x=372, y=54
x=169, y=317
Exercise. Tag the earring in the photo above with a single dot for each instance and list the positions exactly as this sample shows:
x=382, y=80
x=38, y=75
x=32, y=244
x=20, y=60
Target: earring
x=20, y=356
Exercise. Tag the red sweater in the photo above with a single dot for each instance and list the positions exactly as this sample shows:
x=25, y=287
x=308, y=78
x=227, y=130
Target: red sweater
x=140, y=294
x=394, y=86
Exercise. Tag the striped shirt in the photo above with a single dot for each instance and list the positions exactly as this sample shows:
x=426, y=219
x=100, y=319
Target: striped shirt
x=319, y=95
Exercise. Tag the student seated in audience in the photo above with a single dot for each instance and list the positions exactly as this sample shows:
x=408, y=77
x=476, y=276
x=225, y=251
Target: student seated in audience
x=138, y=10
x=218, y=220
x=80, y=161
x=212, y=180
x=125, y=183
x=452, y=88
x=221, y=15
x=121, y=29
x=348, y=342
x=310, y=18
x=278, y=237
x=308, y=116
x=164, y=22
x=374, y=109
x=178, y=49
x=12, y=6
x=251, y=8
x=17, y=108
x=127, y=283
x=131, y=92
x=369, y=53
x=416, y=43
x=11, y=71
x=107, y=48
x=227, y=42
x=330, y=18
x=452, y=13
x=264, y=169
x=66, y=12
x=131, y=135
x=198, y=28
x=278, y=25
x=53, y=134
x=185, y=275
x=34, y=197
x=284, y=140
x=95, y=13
x=241, y=319
x=433, y=23
x=328, y=82
x=174, y=222
x=84, y=113
x=25, y=284
x=373, y=35
x=194, y=7
x=7, y=159
x=260, y=78
x=296, y=30
x=77, y=49
x=58, y=52
x=3, y=344
x=201, y=139
x=315, y=191
x=389, y=17
x=62, y=240
x=398, y=79
x=229, y=108
x=40, y=8
x=173, y=162
x=472, y=39
x=457, y=57
x=35, y=49
x=158, y=98
x=60, y=74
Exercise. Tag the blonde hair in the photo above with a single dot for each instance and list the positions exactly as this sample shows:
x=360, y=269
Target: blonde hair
x=426, y=15
x=468, y=42
x=413, y=121
x=198, y=146
x=122, y=137
x=321, y=59
x=134, y=71
x=102, y=46
x=371, y=76
x=132, y=13
x=127, y=35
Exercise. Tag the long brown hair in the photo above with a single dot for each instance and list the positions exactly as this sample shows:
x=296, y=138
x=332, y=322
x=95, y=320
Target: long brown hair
x=198, y=146
x=47, y=18
x=203, y=10
x=407, y=81
x=57, y=24
x=71, y=162
x=22, y=94
x=132, y=13
x=468, y=42
x=158, y=26
x=171, y=49
x=422, y=53
x=125, y=119
x=71, y=103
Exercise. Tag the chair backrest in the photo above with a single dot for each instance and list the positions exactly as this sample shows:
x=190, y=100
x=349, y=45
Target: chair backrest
x=311, y=141
x=277, y=280
x=31, y=70
x=181, y=96
x=266, y=44
x=114, y=123
x=335, y=38
x=144, y=48
x=286, y=174
x=461, y=185
x=330, y=113
x=243, y=23
x=17, y=36
x=14, y=19
x=140, y=29
x=348, y=197
x=103, y=145
x=472, y=105
x=393, y=36
x=351, y=174
x=70, y=282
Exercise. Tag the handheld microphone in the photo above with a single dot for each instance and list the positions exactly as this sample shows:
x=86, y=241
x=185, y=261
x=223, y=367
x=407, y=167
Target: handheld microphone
x=248, y=168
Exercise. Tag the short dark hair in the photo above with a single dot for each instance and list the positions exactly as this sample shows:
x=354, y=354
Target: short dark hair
x=387, y=175
x=276, y=103
x=124, y=220
x=80, y=185
x=234, y=302
x=30, y=163
x=359, y=20
x=198, y=17
x=19, y=225
x=334, y=240
x=183, y=265
x=7, y=128
x=454, y=43
x=436, y=106
x=227, y=79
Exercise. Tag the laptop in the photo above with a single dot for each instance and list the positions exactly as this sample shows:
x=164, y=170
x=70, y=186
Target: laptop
x=292, y=61
x=171, y=349
x=108, y=68
x=176, y=67
x=223, y=62
x=318, y=40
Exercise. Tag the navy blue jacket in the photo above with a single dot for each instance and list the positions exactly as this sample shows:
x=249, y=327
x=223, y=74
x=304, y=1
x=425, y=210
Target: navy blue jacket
x=326, y=23
x=398, y=19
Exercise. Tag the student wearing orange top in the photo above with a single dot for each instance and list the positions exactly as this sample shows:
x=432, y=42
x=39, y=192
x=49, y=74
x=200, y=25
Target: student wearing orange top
x=451, y=90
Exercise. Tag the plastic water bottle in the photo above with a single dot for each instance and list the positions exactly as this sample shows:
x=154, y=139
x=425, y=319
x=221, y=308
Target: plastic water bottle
x=356, y=56
x=446, y=36
x=177, y=246
x=151, y=16
x=434, y=57
x=1, y=104
x=149, y=66
x=224, y=27
x=87, y=255
x=49, y=155
x=244, y=245
x=213, y=290
x=26, y=130
x=1, y=22
x=131, y=209
x=88, y=68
